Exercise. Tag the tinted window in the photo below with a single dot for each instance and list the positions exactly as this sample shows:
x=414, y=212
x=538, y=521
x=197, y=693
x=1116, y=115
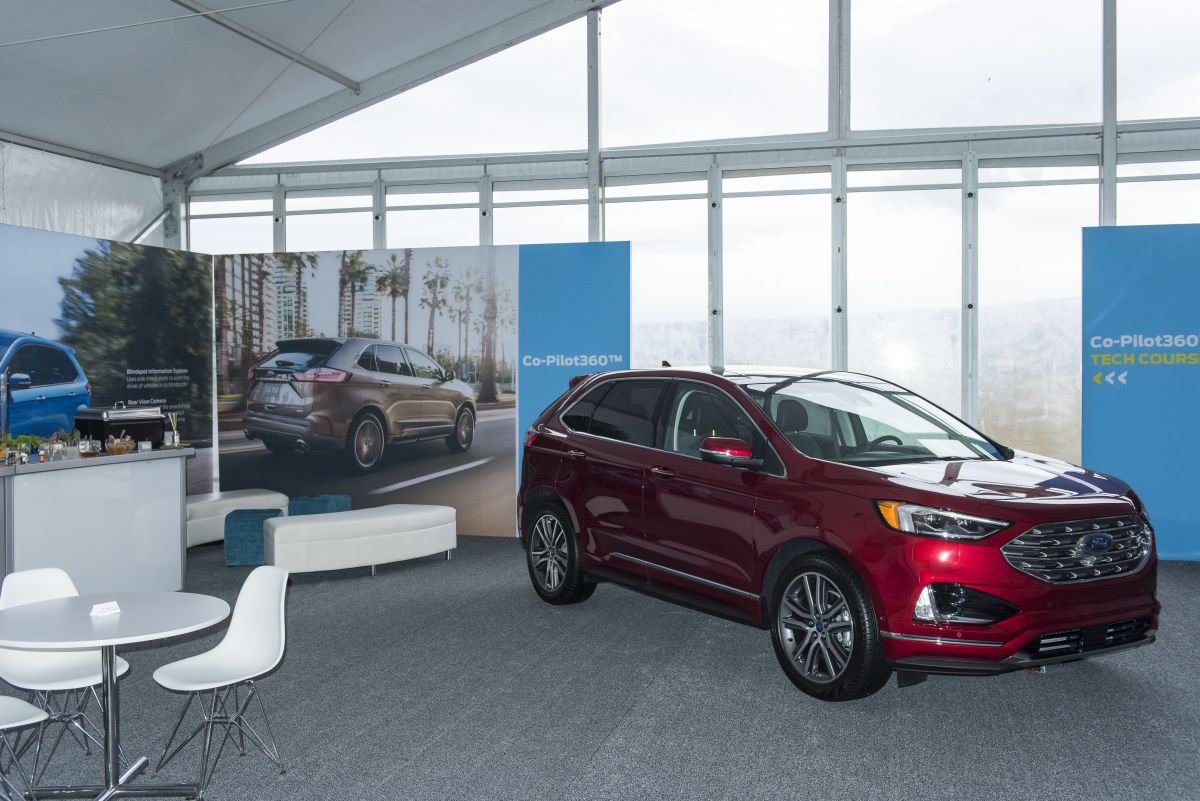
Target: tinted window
x=626, y=413
x=424, y=366
x=579, y=416
x=300, y=353
x=390, y=360
x=44, y=365
x=367, y=359
x=697, y=412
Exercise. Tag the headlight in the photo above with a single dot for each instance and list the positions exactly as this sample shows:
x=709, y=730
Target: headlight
x=913, y=519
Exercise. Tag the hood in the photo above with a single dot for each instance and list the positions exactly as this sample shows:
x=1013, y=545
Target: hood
x=1027, y=477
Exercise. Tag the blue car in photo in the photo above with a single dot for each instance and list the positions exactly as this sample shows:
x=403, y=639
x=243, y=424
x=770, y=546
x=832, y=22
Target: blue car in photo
x=46, y=385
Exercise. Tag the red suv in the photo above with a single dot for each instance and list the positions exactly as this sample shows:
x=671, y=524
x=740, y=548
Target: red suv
x=867, y=528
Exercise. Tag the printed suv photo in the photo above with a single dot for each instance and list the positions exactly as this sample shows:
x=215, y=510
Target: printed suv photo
x=357, y=396
x=46, y=385
x=869, y=530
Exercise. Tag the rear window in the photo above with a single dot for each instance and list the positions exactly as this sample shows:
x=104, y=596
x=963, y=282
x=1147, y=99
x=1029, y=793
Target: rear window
x=579, y=416
x=627, y=412
x=301, y=353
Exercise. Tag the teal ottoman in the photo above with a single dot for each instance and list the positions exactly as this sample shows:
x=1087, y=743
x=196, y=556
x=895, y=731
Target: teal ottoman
x=244, y=535
x=318, y=504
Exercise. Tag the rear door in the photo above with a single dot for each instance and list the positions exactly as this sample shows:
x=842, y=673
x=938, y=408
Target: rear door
x=700, y=515
x=403, y=393
x=603, y=474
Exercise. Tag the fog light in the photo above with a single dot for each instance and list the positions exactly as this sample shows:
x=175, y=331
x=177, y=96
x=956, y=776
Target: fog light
x=955, y=603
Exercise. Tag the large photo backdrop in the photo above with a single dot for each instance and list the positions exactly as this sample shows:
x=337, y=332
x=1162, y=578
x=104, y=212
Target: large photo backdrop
x=136, y=320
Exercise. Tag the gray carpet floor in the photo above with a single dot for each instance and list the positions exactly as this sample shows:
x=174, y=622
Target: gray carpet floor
x=451, y=680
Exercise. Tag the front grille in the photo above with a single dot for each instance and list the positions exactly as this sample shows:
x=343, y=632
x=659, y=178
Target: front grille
x=1093, y=638
x=1067, y=553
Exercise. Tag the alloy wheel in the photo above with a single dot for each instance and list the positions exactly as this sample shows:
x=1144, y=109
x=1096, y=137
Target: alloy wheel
x=816, y=627
x=465, y=429
x=368, y=442
x=548, y=552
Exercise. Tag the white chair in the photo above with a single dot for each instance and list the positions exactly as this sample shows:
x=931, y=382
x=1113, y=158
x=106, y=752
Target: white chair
x=63, y=683
x=16, y=716
x=224, y=678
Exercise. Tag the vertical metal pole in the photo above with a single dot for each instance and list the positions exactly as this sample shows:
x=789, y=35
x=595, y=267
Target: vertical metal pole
x=485, y=209
x=378, y=213
x=839, y=68
x=970, y=288
x=3, y=404
x=716, y=275
x=278, y=220
x=112, y=737
x=839, y=317
x=594, y=186
x=174, y=195
x=1108, y=140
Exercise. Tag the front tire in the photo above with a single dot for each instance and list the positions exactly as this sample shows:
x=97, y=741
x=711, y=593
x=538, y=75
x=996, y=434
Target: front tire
x=824, y=630
x=552, y=556
x=365, y=443
x=464, y=431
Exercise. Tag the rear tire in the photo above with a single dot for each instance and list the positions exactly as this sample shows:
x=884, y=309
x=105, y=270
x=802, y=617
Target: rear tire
x=552, y=556
x=464, y=431
x=824, y=629
x=366, y=442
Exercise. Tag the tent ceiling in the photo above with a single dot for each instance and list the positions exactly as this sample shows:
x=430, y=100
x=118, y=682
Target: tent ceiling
x=162, y=90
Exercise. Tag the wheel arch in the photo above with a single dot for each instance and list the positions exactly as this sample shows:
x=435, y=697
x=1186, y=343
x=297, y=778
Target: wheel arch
x=800, y=546
x=541, y=495
x=370, y=408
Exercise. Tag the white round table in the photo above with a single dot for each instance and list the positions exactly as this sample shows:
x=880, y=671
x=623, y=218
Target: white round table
x=65, y=624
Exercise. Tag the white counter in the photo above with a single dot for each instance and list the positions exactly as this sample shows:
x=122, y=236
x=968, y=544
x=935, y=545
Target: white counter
x=114, y=523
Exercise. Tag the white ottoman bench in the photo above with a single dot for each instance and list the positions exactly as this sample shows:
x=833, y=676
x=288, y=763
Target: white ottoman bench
x=359, y=538
x=206, y=513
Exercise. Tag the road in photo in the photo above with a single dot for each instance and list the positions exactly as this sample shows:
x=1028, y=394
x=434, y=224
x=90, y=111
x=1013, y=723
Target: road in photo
x=480, y=483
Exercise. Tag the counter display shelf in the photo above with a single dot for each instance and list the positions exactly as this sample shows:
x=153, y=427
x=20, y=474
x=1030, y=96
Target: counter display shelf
x=114, y=523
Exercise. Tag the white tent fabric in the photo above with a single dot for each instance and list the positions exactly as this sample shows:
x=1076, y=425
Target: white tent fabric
x=43, y=190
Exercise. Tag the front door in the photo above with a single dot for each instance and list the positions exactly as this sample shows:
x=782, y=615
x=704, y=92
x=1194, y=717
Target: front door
x=700, y=515
x=438, y=403
x=402, y=392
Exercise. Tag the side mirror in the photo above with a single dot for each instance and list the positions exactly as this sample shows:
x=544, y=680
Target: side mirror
x=19, y=381
x=448, y=375
x=730, y=451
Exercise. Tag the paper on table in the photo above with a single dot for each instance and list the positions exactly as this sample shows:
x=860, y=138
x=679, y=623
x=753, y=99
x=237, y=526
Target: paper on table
x=107, y=608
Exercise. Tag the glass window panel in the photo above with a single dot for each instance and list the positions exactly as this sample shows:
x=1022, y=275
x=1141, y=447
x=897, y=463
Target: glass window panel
x=679, y=70
x=1158, y=202
x=232, y=235
x=777, y=280
x=1158, y=62
x=241, y=206
x=1158, y=168
x=987, y=174
x=905, y=289
x=1030, y=257
x=859, y=178
x=669, y=255
x=532, y=96
x=526, y=195
x=650, y=190
x=526, y=225
x=301, y=203
x=771, y=183
x=432, y=228
x=396, y=198
x=345, y=231
x=938, y=63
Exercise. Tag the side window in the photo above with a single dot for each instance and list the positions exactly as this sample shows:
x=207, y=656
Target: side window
x=43, y=365
x=424, y=366
x=367, y=360
x=626, y=412
x=696, y=412
x=579, y=416
x=390, y=360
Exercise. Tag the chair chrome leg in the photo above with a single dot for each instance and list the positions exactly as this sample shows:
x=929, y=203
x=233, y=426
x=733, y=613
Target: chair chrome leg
x=448, y=552
x=208, y=727
x=163, y=759
x=372, y=570
x=9, y=788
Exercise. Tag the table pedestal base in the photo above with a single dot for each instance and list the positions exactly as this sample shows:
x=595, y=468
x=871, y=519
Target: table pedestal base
x=122, y=788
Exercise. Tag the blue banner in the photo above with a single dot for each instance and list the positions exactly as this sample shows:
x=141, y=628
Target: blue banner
x=573, y=307
x=1141, y=370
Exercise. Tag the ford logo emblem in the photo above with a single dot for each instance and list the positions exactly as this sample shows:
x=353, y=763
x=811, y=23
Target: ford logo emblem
x=1096, y=543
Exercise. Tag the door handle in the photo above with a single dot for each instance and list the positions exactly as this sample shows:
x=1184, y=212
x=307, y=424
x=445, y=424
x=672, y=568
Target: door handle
x=40, y=398
x=576, y=454
x=663, y=472
x=426, y=386
x=384, y=384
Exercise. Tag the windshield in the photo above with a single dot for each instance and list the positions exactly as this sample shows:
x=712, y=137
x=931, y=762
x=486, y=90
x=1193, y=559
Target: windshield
x=866, y=424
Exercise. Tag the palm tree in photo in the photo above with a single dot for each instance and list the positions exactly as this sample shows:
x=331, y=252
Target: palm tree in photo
x=506, y=321
x=352, y=277
x=464, y=292
x=394, y=283
x=294, y=265
x=262, y=280
x=437, y=278
x=487, y=368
